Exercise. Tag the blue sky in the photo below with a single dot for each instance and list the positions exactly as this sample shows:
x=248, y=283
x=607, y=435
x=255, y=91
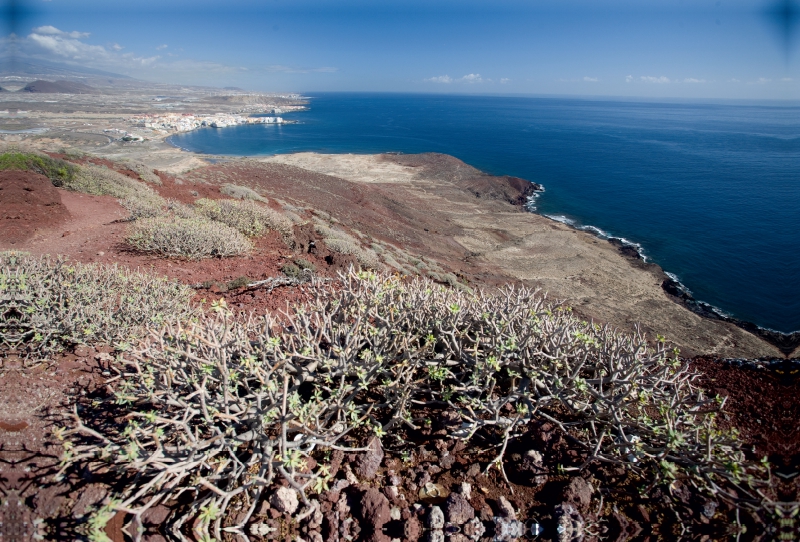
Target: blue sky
x=646, y=48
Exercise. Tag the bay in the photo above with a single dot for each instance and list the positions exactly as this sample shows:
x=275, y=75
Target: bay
x=709, y=191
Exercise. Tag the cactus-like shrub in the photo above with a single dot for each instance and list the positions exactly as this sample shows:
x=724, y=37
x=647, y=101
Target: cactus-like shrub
x=190, y=238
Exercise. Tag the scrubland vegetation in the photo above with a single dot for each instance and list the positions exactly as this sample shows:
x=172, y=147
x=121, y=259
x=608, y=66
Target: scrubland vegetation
x=228, y=407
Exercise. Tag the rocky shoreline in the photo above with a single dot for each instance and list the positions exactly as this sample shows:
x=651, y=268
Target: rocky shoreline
x=787, y=343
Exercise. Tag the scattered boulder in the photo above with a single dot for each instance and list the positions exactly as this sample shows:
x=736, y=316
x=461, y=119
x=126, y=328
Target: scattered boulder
x=376, y=512
x=435, y=518
x=579, y=493
x=284, y=500
x=366, y=466
x=458, y=510
x=506, y=508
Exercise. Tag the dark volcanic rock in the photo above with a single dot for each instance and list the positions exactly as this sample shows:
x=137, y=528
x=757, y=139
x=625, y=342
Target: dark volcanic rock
x=376, y=513
x=458, y=510
x=579, y=493
x=367, y=465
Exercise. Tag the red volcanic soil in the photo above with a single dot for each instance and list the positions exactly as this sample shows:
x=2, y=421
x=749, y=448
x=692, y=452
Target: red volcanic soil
x=28, y=202
x=762, y=404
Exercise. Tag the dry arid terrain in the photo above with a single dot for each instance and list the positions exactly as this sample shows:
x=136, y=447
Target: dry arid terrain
x=412, y=459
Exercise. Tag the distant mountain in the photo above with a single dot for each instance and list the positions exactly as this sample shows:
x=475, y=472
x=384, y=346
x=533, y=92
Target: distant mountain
x=24, y=67
x=58, y=87
x=233, y=88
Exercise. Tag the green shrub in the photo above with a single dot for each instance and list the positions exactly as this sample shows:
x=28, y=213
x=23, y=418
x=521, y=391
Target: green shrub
x=144, y=207
x=304, y=264
x=102, y=181
x=49, y=303
x=248, y=217
x=241, y=282
x=241, y=192
x=190, y=238
x=291, y=270
x=146, y=173
x=58, y=171
x=365, y=257
x=500, y=363
x=181, y=210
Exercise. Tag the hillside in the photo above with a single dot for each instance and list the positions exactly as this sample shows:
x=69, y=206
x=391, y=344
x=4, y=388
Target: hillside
x=58, y=87
x=300, y=347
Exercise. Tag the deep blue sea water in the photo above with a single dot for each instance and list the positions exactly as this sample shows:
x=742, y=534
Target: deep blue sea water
x=711, y=192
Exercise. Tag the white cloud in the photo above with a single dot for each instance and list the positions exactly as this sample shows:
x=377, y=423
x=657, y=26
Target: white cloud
x=67, y=47
x=49, y=42
x=162, y=47
x=629, y=79
x=693, y=80
x=734, y=80
x=53, y=31
x=658, y=80
x=787, y=79
x=471, y=78
x=591, y=79
x=505, y=80
x=762, y=81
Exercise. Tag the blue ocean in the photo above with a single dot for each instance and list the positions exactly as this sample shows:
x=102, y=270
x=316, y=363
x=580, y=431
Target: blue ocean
x=709, y=191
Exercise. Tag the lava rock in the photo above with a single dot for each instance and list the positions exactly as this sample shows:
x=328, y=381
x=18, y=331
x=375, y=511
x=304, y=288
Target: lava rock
x=533, y=464
x=458, y=510
x=579, y=493
x=447, y=462
x=435, y=518
x=709, y=508
x=412, y=529
x=376, y=513
x=366, y=466
x=506, y=508
x=284, y=500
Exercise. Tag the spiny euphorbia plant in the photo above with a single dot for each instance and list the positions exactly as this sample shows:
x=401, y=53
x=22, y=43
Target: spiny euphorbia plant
x=222, y=406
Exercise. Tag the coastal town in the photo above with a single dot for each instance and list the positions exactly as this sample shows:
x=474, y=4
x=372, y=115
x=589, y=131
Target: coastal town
x=186, y=122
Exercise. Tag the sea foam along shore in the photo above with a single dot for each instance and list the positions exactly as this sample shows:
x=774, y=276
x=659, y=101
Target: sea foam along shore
x=785, y=342
x=601, y=234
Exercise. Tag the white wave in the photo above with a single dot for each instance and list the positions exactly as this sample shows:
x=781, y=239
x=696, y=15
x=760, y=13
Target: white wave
x=562, y=219
x=530, y=203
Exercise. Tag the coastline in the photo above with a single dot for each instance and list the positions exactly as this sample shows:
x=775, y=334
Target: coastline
x=786, y=343
x=489, y=238
x=482, y=231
